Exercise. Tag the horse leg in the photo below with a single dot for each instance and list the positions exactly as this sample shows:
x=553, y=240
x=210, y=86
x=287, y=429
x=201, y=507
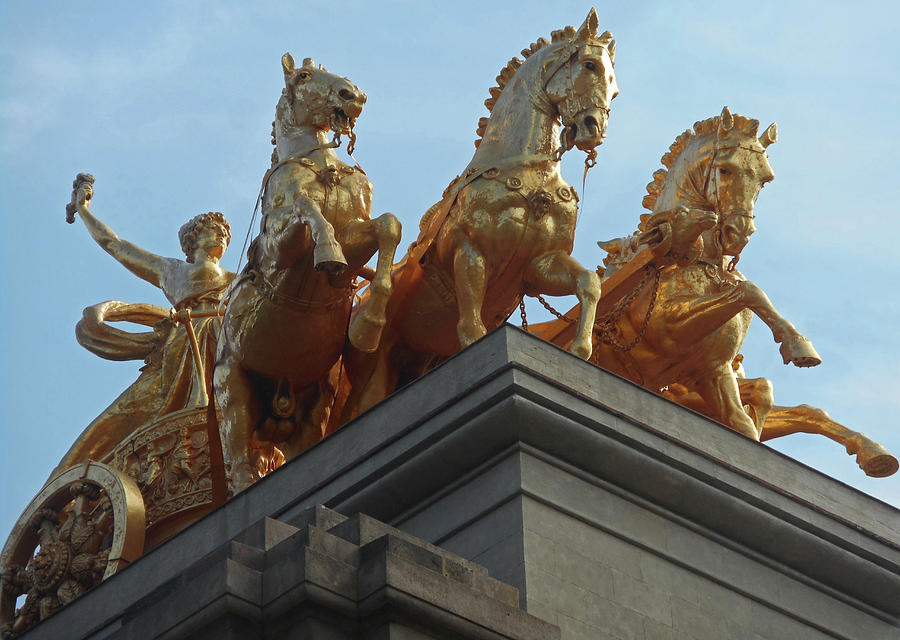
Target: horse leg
x=689, y=320
x=757, y=394
x=795, y=347
x=241, y=413
x=722, y=398
x=871, y=456
x=376, y=381
x=559, y=274
x=310, y=418
x=364, y=237
x=470, y=282
x=328, y=255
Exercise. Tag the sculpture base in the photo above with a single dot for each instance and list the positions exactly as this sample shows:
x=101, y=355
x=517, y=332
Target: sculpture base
x=614, y=512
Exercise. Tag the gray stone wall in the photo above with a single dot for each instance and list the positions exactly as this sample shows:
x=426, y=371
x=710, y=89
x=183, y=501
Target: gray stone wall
x=613, y=512
x=602, y=563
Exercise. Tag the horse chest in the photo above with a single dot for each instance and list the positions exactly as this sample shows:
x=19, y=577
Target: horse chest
x=341, y=193
x=503, y=223
x=350, y=199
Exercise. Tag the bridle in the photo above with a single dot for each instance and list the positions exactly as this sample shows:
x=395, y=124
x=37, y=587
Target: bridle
x=723, y=216
x=572, y=104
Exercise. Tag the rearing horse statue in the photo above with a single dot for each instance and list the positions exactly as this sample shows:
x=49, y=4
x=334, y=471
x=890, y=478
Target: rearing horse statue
x=702, y=206
x=678, y=331
x=505, y=227
x=287, y=319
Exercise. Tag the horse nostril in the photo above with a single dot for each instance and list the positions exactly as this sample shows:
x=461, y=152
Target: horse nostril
x=347, y=95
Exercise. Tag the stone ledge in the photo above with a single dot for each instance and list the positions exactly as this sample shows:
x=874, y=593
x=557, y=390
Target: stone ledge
x=514, y=392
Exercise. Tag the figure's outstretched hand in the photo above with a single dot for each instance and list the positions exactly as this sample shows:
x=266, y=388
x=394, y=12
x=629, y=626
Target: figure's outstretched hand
x=83, y=197
x=82, y=192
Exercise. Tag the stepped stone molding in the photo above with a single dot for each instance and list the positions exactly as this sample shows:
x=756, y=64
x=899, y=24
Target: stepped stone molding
x=614, y=513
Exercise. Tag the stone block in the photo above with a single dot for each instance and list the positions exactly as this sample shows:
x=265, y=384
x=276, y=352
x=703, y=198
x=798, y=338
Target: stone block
x=515, y=460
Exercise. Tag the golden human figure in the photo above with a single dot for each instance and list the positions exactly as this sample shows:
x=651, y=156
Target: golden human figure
x=174, y=377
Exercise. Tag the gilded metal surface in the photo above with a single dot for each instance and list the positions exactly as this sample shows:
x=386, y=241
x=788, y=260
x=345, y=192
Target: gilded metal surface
x=81, y=528
x=682, y=335
x=169, y=459
x=505, y=227
x=774, y=421
x=287, y=318
x=174, y=376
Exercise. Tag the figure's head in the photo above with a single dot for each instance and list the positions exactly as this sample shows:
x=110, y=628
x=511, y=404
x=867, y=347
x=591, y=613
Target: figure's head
x=313, y=97
x=581, y=83
x=207, y=231
x=738, y=171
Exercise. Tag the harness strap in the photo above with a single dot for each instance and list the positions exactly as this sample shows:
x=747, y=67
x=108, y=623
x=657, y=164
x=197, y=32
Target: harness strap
x=270, y=292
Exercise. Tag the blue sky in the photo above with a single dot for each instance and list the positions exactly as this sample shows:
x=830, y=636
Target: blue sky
x=169, y=105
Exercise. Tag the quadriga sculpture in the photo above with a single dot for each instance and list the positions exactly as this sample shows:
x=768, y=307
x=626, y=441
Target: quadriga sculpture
x=287, y=318
x=679, y=330
x=505, y=227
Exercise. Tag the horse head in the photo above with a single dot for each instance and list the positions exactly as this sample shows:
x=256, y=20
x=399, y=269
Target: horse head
x=580, y=83
x=569, y=78
x=713, y=174
x=737, y=171
x=315, y=99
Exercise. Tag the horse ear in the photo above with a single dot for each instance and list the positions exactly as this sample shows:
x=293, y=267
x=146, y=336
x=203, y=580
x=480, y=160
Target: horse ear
x=287, y=64
x=611, y=47
x=588, y=29
x=727, y=122
x=752, y=127
x=769, y=136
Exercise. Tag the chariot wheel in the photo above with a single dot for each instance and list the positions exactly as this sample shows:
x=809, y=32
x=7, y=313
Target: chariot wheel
x=82, y=527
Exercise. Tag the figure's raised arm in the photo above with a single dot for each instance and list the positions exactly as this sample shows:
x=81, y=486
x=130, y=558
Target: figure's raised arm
x=145, y=265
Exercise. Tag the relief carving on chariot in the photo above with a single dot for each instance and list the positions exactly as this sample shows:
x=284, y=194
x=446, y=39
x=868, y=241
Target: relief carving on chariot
x=244, y=371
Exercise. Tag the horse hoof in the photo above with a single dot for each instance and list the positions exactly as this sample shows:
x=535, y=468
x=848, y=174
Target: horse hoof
x=365, y=333
x=329, y=258
x=877, y=462
x=800, y=351
x=581, y=350
x=331, y=267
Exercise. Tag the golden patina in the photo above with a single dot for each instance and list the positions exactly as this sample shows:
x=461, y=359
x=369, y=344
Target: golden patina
x=85, y=524
x=505, y=227
x=289, y=349
x=675, y=309
x=288, y=316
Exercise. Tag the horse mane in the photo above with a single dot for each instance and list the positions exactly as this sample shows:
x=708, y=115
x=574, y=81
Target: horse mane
x=507, y=72
x=742, y=124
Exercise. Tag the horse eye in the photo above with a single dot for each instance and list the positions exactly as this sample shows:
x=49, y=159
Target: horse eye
x=723, y=171
x=590, y=66
x=304, y=75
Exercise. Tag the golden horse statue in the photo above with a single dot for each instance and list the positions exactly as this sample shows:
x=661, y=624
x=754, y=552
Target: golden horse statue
x=682, y=320
x=505, y=227
x=287, y=318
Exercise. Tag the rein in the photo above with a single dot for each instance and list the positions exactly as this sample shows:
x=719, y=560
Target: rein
x=334, y=144
x=270, y=292
x=569, y=111
x=717, y=207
